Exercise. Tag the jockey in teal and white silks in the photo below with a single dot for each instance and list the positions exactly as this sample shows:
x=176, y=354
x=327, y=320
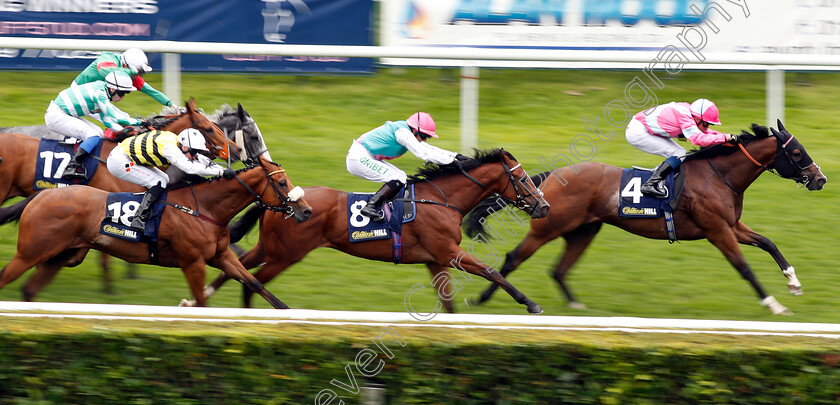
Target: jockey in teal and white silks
x=368, y=154
x=133, y=62
x=64, y=115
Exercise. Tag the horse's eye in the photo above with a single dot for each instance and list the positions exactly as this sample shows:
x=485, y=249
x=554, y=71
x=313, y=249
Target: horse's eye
x=797, y=155
x=283, y=184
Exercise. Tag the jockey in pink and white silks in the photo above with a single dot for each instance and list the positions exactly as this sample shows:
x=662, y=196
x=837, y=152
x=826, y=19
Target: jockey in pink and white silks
x=368, y=154
x=653, y=130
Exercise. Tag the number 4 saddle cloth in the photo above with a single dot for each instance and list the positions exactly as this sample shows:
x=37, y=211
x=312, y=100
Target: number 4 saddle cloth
x=53, y=157
x=119, y=211
x=633, y=204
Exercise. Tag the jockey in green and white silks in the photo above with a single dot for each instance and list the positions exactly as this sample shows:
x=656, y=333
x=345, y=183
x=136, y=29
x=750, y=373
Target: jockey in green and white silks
x=65, y=114
x=368, y=154
x=133, y=62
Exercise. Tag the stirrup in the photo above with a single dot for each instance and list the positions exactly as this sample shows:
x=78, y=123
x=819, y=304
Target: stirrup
x=139, y=226
x=659, y=191
x=377, y=215
x=75, y=173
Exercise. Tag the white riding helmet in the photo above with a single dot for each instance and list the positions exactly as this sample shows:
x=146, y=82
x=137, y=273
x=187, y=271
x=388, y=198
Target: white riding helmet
x=192, y=139
x=119, y=81
x=136, y=58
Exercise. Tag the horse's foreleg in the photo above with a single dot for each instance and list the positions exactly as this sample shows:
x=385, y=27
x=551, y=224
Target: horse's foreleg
x=228, y=263
x=513, y=259
x=747, y=236
x=444, y=288
x=726, y=241
x=249, y=260
x=463, y=261
x=107, y=281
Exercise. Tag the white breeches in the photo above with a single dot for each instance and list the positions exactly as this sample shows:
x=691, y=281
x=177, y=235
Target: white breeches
x=361, y=163
x=68, y=125
x=123, y=168
x=638, y=136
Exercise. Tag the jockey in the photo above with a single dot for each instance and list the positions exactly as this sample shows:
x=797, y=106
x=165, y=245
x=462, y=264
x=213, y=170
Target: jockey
x=652, y=132
x=143, y=158
x=389, y=141
x=64, y=115
x=133, y=62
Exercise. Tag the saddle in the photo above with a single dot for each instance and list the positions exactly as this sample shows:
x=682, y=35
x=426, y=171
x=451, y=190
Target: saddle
x=633, y=204
x=53, y=157
x=402, y=209
x=120, y=209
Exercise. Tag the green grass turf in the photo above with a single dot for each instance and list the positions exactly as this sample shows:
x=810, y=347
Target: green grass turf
x=309, y=122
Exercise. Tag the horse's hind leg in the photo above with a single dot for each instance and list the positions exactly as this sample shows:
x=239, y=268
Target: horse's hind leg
x=747, y=236
x=14, y=269
x=107, y=280
x=44, y=275
x=249, y=260
x=576, y=243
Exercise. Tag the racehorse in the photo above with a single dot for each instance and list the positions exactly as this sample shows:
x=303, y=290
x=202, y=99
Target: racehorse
x=710, y=206
x=447, y=193
x=19, y=152
x=56, y=223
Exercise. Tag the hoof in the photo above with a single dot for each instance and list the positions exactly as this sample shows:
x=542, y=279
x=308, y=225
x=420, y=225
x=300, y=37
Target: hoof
x=795, y=289
x=577, y=305
x=469, y=302
x=535, y=309
x=186, y=303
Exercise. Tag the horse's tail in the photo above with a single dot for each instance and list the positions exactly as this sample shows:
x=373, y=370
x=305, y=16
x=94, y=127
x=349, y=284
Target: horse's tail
x=247, y=221
x=13, y=212
x=473, y=224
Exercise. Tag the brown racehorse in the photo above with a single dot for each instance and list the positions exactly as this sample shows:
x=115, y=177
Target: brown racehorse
x=58, y=222
x=710, y=206
x=17, y=170
x=432, y=238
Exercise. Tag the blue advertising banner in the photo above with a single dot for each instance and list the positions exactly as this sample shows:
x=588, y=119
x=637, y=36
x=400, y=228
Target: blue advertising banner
x=300, y=22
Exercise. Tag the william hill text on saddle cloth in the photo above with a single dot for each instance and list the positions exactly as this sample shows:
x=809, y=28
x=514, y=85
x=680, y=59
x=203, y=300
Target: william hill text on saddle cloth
x=638, y=95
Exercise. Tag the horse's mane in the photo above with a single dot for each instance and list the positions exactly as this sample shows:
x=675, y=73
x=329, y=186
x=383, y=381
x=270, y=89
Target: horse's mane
x=223, y=111
x=723, y=149
x=432, y=171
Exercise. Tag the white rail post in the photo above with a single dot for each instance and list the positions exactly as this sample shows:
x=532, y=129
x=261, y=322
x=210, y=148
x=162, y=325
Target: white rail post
x=775, y=95
x=469, y=108
x=172, y=77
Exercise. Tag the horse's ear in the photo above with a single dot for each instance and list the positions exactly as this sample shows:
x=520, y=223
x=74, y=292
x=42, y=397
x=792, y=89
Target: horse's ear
x=780, y=125
x=240, y=112
x=190, y=103
x=776, y=133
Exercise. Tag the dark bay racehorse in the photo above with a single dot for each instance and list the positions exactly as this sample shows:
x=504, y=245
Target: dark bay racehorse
x=433, y=238
x=18, y=153
x=710, y=206
x=58, y=222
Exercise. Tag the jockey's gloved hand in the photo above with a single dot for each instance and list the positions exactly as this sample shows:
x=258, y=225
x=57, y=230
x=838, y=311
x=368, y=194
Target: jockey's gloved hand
x=125, y=133
x=461, y=157
x=731, y=138
x=228, y=173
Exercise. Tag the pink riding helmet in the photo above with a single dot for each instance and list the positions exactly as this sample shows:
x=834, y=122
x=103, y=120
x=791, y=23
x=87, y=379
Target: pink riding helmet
x=706, y=111
x=426, y=123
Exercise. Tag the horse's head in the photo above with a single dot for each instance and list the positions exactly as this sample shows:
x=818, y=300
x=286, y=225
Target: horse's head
x=793, y=162
x=243, y=130
x=521, y=189
x=283, y=196
x=220, y=146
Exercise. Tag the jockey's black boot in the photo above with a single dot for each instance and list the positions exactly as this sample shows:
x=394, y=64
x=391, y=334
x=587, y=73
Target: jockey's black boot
x=75, y=169
x=653, y=186
x=145, y=208
x=388, y=191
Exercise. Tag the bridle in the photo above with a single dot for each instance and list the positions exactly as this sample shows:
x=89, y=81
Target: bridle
x=781, y=151
x=284, y=206
x=222, y=152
